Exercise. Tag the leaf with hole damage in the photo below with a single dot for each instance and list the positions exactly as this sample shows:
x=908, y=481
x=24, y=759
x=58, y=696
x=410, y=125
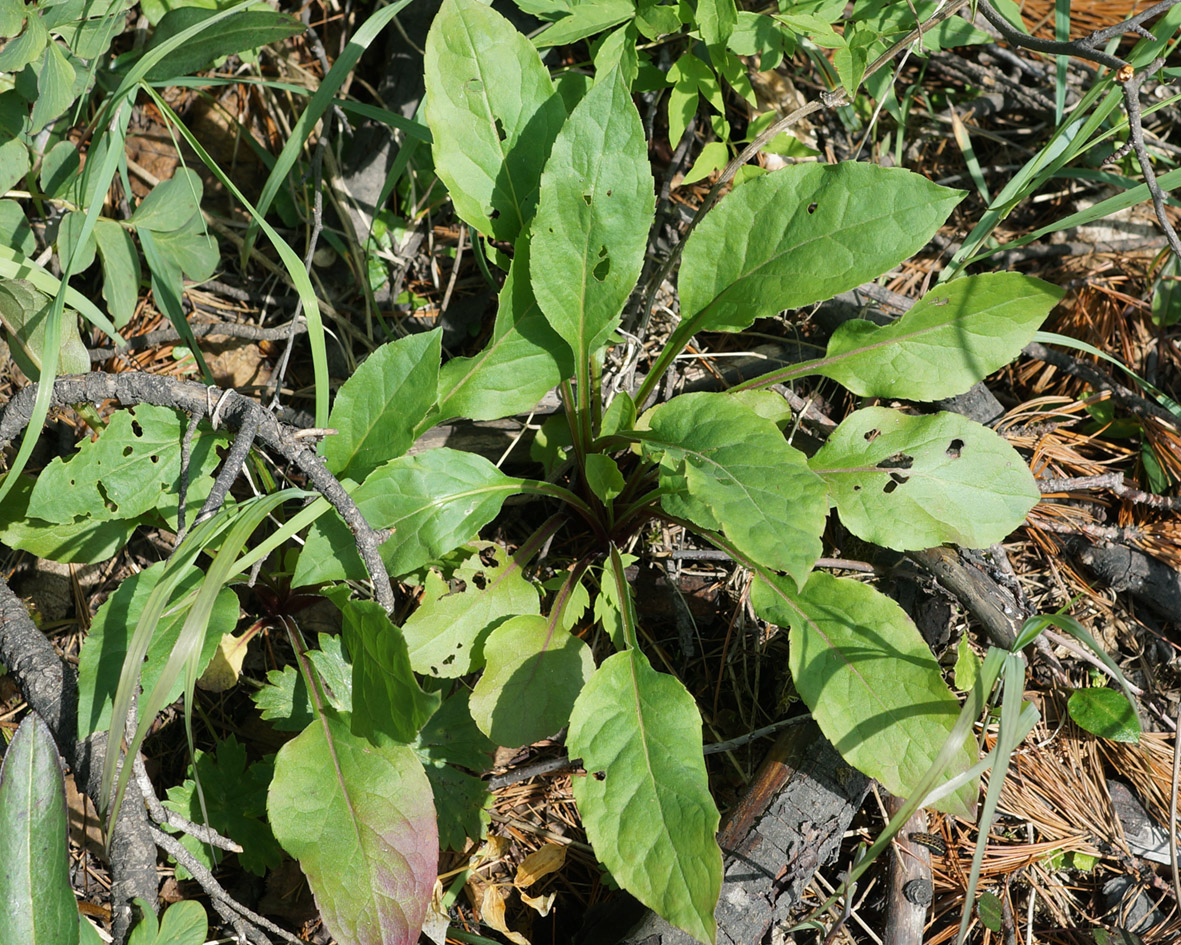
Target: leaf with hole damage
x=802, y=234
x=593, y=216
x=493, y=115
x=379, y=406
x=128, y=470
x=532, y=677
x=871, y=682
x=446, y=634
x=645, y=801
x=954, y=336
x=910, y=482
x=433, y=501
x=523, y=360
x=35, y=888
x=361, y=821
x=724, y=466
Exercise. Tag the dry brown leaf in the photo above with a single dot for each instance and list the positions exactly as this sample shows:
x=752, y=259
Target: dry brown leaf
x=542, y=904
x=492, y=914
x=549, y=859
x=435, y=925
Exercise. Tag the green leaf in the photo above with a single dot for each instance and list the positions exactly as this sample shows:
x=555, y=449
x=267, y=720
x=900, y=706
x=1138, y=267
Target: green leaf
x=121, y=270
x=14, y=228
x=246, y=29
x=446, y=633
x=67, y=241
x=184, y=923
x=80, y=541
x=448, y=740
x=802, y=234
x=593, y=216
x=360, y=820
x=967, y=665
x=723, y=465
x=190, y=250
x=988, y=907
x=284, y=701
x=128, y=470
x=716, y=19
x=645, y=801
x=603, y=476
x=34, y=857
x=524, y=359
x=55, y=87
x=59, y=168
x=533, y=675
x=586, y=18
x=21, y=50
x=872, y=684
x=24, y=313
x=235, y=796
x=1106, y=713
x=14, y=164
x=379, y=406
x=908, y=482
x=434, y=501
x=387, y=700
x=171, y=204
x=101, y=660
x=957, y=334
x=493, y=115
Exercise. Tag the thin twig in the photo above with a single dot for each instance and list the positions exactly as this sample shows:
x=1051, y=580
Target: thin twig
x=163, y=816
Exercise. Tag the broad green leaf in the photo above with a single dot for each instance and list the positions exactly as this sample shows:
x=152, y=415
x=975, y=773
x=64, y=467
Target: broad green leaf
x=802, y=234
x=126, y=472
x=39, y=904
x=532, y=677
x=191, y=250
x=67, y=241
x=379, y=406
x=586, y=18
x=360, y=820
x=55, y=87
x=21, y=50
x=80, y=541
x=493, y=115
x=716, y=19
x=101, y=660
x=171, y=204
x=645, y=801
x=956, y=335
x=387, y=700
x=907, y=482
x=523, y=360
x=1104, y=712
x=14, y=163
x=593, y=215
x=434, y=502
x=121, y=270
x=284, y=701
x=722, y=465
x=990, y=910
x=448, y=743
x=246, y=29
x=603, y=476
x=24, y=313
x=871, y=682
x=184, y=923
x=446, y=633
x=235, y=800
x=14, y=228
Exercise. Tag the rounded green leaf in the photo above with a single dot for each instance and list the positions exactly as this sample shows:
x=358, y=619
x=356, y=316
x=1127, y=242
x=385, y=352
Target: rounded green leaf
x=802, y=234
x=723, y=465
x=493, y=114
x=532, y=676
x=871, y=682
x=908, y=482
x=1104, y=712
x=360, y=819
x=434, y=502
x=596, y=205
x=954, y=336
x=645, y=800
x=39, y=904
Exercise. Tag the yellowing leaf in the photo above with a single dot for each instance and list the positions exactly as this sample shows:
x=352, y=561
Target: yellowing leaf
x=226, y=665
x=492, y=914
x=549, y=859
x=542, y=904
